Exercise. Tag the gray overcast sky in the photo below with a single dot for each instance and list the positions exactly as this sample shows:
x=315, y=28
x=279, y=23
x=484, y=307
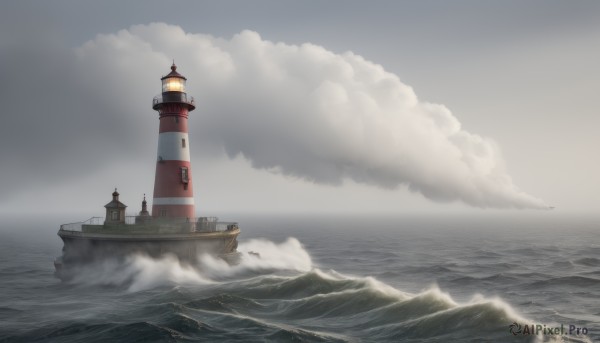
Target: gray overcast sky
x=77, y=120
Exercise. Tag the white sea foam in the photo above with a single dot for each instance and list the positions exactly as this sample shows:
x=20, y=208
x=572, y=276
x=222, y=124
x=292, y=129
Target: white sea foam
x=288, y=255
x=150, y=273
x=141, y=272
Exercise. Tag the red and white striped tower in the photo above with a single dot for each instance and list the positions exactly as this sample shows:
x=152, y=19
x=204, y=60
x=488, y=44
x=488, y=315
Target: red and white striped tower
x=173, y=191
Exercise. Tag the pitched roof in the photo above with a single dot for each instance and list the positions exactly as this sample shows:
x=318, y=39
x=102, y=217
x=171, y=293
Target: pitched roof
x=173, y=73
x=115, y=204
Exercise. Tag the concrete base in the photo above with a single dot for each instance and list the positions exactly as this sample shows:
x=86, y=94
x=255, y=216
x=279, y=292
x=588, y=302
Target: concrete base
x=81, y=248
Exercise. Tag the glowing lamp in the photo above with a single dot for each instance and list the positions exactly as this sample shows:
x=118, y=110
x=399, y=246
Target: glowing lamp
x=173, y=84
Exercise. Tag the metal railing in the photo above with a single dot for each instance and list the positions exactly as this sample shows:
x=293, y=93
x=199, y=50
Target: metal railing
x=205, y=224
x=76, y=226
x=173, y=97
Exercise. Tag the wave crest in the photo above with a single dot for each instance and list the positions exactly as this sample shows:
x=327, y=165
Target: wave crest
x=281, y=286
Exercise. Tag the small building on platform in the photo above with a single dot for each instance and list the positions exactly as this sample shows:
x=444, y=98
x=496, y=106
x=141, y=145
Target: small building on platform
x=115, y=210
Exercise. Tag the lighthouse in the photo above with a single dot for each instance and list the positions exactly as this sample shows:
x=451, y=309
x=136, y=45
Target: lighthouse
x=171, y=229
x=173, y=191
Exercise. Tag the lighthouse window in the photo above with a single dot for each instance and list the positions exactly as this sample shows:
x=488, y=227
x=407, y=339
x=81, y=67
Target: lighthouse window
x=163, y=212
x=184, y=175
x=173, y=84
x=114, y=215
x=183, y=142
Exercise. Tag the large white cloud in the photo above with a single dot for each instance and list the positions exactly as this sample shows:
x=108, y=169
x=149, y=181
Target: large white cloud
x=302, y=111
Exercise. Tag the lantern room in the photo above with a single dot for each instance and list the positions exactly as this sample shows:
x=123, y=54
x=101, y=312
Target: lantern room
x=173, y=93
x=173, y=82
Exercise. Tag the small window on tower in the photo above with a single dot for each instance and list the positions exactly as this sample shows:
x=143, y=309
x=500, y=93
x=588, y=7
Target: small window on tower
x=163, y=213
x=183, y=142
x=114, y=215
x=177, y=120
x=184, y=175
x=185, y=186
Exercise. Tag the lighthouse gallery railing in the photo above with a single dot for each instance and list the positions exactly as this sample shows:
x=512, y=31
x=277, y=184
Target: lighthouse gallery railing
x=173, y=97
x=210, y=224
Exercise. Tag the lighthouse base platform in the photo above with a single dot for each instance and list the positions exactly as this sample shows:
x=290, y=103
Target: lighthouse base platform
x=90, y=242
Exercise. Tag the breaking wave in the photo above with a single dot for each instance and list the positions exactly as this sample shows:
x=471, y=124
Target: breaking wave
x=275, y=295
x=141, y=272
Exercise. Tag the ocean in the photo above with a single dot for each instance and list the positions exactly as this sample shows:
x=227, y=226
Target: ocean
x=492, y=277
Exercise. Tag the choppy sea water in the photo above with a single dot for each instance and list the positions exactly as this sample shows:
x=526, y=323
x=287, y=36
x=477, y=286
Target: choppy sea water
x=321, y=279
